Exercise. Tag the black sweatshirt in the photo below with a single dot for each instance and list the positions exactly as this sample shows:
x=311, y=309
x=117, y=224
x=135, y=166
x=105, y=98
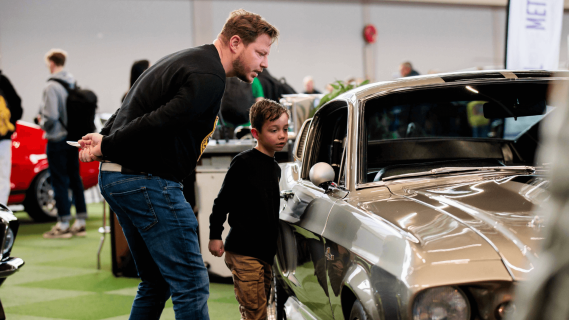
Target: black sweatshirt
x=168, y=115
x=250, y=194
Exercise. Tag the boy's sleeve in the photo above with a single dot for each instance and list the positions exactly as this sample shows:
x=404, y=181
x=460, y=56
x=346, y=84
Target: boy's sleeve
x=227, y=198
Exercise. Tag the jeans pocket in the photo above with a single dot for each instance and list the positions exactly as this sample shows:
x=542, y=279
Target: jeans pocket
x=249, y=289
x=139, y=210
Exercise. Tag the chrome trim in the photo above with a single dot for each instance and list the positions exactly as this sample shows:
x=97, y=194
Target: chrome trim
x=443, y=170
x=352, y=145
x=297, y=142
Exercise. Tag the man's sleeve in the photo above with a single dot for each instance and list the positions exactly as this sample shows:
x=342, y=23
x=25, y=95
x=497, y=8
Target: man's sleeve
x=194, y=97
x=109, y=124
x=227, y=198
x=49, y=108
x=13, y=99
x=257, y=89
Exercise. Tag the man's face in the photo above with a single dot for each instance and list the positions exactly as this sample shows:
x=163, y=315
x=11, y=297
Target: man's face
x=274, y=134
x=404, y=70
x=252, y=59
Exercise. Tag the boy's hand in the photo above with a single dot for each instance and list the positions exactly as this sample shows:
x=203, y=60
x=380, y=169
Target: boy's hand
x=216, y=247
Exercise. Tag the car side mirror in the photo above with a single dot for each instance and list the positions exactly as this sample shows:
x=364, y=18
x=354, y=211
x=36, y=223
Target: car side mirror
x=322, y=175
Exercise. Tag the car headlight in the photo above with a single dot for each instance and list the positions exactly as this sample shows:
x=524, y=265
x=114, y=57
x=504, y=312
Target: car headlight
x=448, y=303
x=9, y=241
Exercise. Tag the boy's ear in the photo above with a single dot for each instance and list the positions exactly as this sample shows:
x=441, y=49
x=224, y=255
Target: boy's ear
x=255, y=133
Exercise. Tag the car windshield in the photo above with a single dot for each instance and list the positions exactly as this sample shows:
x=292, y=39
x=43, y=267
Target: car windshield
x=452, y=126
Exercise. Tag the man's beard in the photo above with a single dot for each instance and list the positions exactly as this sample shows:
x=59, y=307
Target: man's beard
x=239, y=69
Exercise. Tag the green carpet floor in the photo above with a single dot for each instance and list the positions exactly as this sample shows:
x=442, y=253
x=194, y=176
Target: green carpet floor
x=60, y=279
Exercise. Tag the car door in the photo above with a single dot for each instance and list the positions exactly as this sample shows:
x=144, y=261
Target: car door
x=301, y=255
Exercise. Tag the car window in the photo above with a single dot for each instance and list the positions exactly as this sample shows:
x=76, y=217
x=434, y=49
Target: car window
x=465, y=124
x=332, y=136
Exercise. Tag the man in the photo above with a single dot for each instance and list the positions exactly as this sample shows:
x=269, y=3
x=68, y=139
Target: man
x=406, y=70
x=10, y=112
x=62, y=158
x=309, y=85
x=153, y=141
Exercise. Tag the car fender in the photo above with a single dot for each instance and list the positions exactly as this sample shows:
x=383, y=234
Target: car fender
x=357, y=280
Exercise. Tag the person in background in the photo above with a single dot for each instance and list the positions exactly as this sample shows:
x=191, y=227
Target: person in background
x=10, y=112
x=138, y=67
x=62, y=158
x=309, y=85
x=153, y=142
x=406, y=70
x=251, y=245
x=257, y=89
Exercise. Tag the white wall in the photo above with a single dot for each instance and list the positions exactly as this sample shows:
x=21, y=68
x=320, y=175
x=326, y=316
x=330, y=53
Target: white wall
x=102, y=38
x=445, y=38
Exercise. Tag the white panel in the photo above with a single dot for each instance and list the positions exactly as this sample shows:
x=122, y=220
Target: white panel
x=318, y=39
x=103, y=39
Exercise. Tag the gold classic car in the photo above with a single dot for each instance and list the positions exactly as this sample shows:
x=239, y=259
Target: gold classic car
x=415, y=199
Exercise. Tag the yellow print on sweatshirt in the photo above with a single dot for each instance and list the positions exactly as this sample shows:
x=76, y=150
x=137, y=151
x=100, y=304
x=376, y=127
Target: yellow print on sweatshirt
x=5, y=124
x=206, y=139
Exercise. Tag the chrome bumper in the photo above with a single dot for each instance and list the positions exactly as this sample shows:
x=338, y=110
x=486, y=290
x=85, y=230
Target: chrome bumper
x=10, y=266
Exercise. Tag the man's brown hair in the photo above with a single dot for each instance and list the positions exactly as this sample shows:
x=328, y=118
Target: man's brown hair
x=248, y=26
x=58, y=57
x=263, y=111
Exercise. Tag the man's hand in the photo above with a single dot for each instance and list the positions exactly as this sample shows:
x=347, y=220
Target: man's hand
x=216, y=247
x=91, y=148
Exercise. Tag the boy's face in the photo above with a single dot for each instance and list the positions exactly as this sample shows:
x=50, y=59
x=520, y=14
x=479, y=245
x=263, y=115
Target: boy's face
x=274, y=134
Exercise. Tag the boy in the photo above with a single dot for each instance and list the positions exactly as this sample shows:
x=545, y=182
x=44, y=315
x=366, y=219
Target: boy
x=250, y=193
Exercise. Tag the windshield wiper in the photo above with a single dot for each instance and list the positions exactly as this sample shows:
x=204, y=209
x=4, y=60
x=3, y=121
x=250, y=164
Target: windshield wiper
x=442, y=170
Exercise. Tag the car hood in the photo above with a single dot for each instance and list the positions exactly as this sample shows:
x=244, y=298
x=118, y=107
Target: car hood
x=502, y=214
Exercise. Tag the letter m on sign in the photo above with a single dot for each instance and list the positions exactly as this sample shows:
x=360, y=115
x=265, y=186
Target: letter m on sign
x=535, y=24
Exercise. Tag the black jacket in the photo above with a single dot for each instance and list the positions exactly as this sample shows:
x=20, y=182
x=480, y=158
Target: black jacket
x=13, y=102
x=169, y=114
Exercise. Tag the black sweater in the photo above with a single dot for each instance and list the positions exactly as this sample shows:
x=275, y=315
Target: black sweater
x=250, y=194
x=168, y=115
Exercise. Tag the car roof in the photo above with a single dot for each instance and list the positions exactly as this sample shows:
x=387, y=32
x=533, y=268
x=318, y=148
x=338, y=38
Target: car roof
x=367, y=91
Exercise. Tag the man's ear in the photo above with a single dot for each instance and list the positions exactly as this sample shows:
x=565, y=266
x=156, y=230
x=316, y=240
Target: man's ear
x=255, y=133
x=234, y=43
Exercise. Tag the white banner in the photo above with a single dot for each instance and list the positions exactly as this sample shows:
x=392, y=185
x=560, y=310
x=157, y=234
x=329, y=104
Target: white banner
x=534, y=34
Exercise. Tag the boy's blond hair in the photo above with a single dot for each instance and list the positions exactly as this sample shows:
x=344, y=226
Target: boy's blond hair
x=263, y=111
x=248, y=26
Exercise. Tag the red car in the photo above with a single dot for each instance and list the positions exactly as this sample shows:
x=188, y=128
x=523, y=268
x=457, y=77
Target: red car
x=30, y=180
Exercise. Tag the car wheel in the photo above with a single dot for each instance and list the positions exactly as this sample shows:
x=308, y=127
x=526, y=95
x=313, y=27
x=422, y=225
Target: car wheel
x=358, y=312
x=40, y=201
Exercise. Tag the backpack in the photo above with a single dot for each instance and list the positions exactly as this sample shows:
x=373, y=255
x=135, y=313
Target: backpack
x=274, y=88
x=81, y=105
x=5, y=125
x=236, y=101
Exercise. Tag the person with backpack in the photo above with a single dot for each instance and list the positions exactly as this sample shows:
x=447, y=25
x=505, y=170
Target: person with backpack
x=62, y=158
x=10, y=112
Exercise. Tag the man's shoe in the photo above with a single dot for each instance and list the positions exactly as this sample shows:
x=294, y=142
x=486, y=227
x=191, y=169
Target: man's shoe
x=78, y=231
x=56, y=233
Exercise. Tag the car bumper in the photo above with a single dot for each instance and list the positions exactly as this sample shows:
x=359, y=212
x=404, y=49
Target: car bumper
x=10, y=266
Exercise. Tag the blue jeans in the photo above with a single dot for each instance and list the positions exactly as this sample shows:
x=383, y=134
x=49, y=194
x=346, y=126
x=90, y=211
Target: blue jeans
x=63, y=161
x=161, y=230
